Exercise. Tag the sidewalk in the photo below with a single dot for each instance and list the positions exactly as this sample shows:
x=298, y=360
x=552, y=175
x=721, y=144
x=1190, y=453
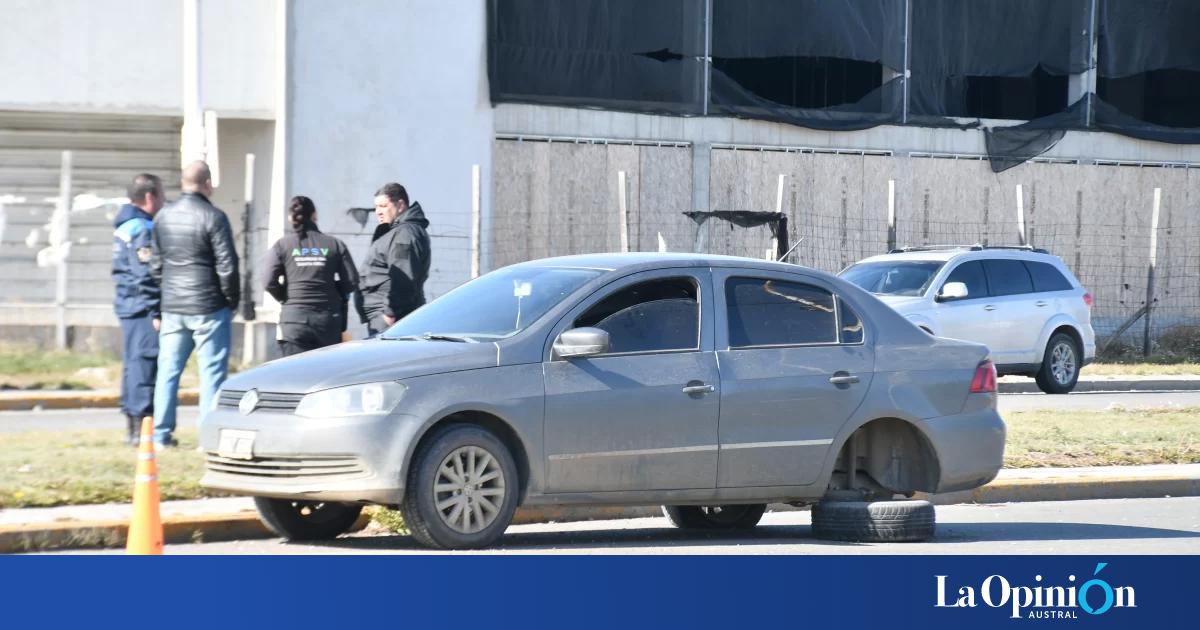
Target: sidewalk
x=234, y=518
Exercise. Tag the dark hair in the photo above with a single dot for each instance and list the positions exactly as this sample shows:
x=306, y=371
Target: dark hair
x=300, y=213
x=394, y=192
x=143, y=184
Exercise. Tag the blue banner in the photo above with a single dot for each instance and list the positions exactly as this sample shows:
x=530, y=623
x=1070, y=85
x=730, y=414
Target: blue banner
x=600, y=591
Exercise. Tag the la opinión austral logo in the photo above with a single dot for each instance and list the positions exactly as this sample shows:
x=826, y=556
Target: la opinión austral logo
x=1041, y=600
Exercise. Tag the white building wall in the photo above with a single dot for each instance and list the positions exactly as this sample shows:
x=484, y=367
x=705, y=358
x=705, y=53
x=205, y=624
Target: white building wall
x=124, y=56
x=381, y=91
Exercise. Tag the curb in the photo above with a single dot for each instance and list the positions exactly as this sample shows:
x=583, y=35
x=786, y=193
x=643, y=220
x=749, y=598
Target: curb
x=244, y=525
x=23, y=401
x=1147, y=385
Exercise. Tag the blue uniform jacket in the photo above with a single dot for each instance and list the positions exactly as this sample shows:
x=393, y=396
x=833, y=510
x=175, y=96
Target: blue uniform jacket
x=137, y=294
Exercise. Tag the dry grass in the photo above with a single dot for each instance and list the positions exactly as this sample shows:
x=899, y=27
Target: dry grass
x=1048, y=438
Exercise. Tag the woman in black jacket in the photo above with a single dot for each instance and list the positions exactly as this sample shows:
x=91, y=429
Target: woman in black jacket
x=313, y=277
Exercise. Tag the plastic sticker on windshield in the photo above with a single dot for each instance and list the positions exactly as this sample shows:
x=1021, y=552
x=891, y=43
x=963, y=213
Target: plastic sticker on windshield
x=522, y=289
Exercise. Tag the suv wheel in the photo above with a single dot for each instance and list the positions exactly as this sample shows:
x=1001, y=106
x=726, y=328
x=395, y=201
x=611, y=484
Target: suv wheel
x=1060, y=365
x=874, y=521
x=713, y=517
x=307, y=520
x=462, y=489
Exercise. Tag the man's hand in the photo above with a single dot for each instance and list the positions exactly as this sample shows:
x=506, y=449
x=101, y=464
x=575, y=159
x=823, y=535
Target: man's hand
x=389, y=320
x=157, y=324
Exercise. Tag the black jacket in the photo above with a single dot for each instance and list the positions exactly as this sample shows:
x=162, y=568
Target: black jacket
x=308, y=262
x=136, y=292
x=397, y=264
x=194, y=260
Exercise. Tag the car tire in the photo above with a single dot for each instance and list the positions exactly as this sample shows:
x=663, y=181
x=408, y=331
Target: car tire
x=874, y=521
x=1060, y=365
x=446, y=506
x=714, y=517
x=307, y=520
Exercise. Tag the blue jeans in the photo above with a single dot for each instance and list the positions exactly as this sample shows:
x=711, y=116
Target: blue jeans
x=209, y=335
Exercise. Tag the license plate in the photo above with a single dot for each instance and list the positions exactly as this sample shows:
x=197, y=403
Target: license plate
x=236, y=444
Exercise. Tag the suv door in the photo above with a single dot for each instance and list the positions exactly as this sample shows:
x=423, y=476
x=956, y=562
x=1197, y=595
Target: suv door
x=969, y=318
x=1017, y=322
x=622, y=420
x=795, y=364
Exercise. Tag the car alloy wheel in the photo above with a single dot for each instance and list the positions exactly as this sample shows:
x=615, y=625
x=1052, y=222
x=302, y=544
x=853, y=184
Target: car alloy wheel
x=1062, y=363
x=469, y=489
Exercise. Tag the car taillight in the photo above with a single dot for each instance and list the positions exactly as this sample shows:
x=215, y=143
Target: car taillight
x=1087, y=299
x=984, y=381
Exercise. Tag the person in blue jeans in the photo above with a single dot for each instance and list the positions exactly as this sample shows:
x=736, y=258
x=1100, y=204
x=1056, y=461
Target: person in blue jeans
x=136, y=300
x=196, y=266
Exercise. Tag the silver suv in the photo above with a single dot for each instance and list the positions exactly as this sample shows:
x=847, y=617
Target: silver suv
x=1022, y=303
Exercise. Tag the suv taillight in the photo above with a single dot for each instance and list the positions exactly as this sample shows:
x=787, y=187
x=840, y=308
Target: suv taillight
x=984, y=381
x=1087, y=299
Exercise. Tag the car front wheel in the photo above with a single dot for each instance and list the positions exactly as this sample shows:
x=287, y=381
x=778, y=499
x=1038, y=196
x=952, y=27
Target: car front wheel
x=1060, y=365
x=462, y=489
x=713, y=517
x=307, y=520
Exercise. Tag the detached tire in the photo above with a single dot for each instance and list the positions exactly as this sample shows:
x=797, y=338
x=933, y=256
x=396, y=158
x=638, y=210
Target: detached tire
x=462, y=489
x=714, y=517
x=1060, y=365
x=875, y=521
x=307, y=520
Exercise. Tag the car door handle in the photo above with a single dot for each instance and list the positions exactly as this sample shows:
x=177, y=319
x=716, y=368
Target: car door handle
x=692, y=390
x=1041, y=303
x=989, y=307
x=843, y=378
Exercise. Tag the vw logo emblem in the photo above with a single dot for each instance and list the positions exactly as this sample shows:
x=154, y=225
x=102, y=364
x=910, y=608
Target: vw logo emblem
x=249, y=402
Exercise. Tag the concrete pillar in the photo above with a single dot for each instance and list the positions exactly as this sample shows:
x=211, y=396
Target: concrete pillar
x=701, y=168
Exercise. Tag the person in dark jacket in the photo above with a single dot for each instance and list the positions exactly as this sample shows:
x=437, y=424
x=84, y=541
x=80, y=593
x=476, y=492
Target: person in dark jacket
x=313, y=276
x=397, y=264
x=137, y=300
x=196, y=265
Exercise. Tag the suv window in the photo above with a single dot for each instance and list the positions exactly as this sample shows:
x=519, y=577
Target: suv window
x=765, y=312
x=971, y=274
x=648, y=316
x=1007, y=277
x=1046, y=277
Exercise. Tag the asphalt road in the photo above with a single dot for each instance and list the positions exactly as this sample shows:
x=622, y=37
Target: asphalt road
x=1111, y=527
x=66, y=420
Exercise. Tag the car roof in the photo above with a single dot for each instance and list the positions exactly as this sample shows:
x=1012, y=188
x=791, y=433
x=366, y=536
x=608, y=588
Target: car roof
x=638, y=261
x=945, y=255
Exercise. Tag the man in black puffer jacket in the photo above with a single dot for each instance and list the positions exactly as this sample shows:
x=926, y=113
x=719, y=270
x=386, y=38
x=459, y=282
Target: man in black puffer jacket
x=195, y=263
x=397, y=264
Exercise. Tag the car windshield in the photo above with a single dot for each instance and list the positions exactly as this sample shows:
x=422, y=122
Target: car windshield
x=497, y=305
x=893, y=277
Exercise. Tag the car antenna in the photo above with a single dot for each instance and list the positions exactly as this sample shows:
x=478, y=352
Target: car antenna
x=790, y=250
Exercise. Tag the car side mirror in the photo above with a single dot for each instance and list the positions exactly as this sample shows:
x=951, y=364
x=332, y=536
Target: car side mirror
x=952, y=291
x=581, y=342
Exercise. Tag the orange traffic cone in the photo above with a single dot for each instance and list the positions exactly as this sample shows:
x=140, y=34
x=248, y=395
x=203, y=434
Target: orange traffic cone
x=145, y=530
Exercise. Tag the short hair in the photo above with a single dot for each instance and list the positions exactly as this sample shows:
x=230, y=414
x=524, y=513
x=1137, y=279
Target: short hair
x=394, y=192
x=142, y=184
x=195, y=174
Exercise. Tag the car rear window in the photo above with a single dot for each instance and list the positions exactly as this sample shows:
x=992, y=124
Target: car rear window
x=764, y=312
x=851, y=323
x=1007, y=277
x=1046, y=277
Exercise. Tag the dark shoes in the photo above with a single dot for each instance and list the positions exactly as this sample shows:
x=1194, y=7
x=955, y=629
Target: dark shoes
x=133, y=428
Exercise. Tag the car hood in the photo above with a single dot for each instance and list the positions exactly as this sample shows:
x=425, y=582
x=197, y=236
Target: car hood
x=902, y=303
x=364, y=362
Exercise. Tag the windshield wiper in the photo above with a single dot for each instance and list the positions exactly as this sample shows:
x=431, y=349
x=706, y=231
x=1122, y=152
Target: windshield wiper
x=437, y=337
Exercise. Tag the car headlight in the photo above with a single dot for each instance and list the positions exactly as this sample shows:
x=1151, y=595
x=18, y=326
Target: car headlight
x=354, y=400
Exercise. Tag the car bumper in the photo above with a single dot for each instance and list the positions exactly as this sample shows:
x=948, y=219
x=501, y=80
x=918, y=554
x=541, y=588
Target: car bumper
x=969, y=446
x=330, y=459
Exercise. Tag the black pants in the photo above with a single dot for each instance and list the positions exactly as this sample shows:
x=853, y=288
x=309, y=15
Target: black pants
x=306, y=328
x=139, y=365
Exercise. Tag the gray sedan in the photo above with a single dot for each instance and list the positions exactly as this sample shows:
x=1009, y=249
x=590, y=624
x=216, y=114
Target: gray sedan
x=709, y=385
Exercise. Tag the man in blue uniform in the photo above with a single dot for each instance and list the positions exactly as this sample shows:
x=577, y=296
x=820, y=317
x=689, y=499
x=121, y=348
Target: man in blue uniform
x=137, y=300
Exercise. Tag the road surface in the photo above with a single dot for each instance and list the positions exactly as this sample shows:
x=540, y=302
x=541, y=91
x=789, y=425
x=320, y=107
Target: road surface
x=66, y=420
x=1108, y=528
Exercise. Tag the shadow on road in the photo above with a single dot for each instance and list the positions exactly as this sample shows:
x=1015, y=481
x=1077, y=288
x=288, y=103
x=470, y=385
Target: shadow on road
x=949, y=533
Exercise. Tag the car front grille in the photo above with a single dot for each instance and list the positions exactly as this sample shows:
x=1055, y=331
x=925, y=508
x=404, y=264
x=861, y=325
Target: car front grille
x=300, y=467
x=271, y=401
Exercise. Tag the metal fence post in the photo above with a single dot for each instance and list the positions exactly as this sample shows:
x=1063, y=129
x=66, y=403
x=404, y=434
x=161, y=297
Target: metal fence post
x=62, y=248
x=476, y=222
x=623, y=211
x=249, y=340
x=1150, y=271
x=1021, y=236
x=891, y=215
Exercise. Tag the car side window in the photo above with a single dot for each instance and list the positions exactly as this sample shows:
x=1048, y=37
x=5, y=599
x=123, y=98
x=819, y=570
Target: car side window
x=971, y=274
x=1007, y=277
x=764, y=312
x=650, y=316
x=850, y=327
x=1046, y=277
